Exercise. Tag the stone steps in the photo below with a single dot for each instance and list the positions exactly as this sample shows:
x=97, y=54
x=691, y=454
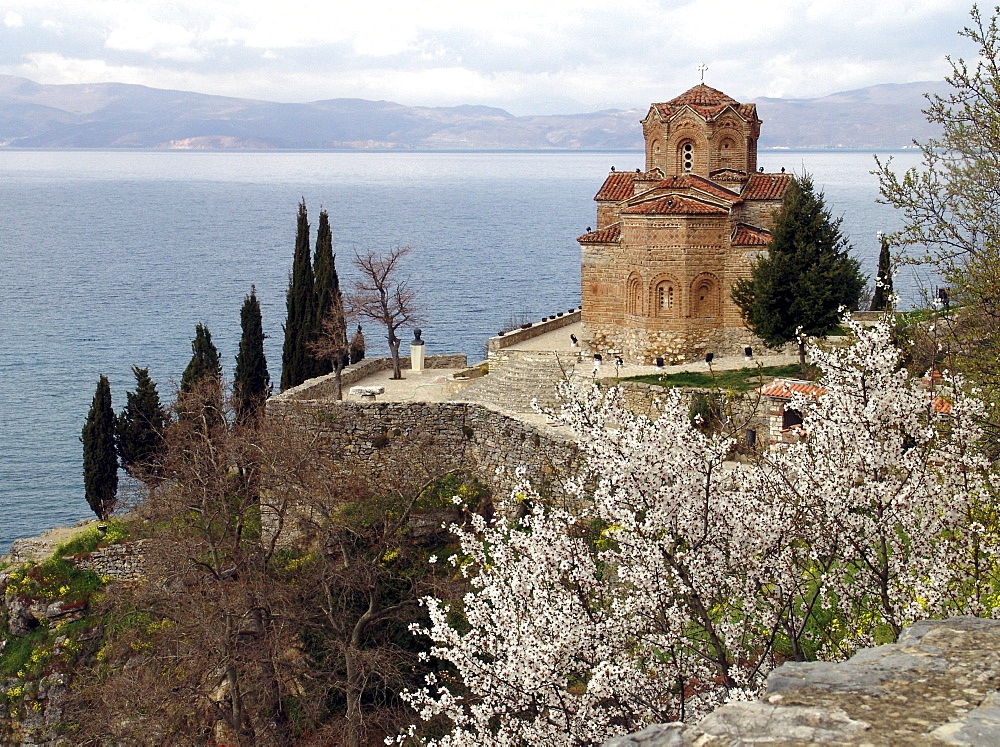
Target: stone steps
x=513, y=384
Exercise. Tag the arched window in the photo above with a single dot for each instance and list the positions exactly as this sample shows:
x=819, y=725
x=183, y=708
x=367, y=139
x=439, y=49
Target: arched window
x=705, y=297
x=633, y=296
x=665, y=299
x=687, y=156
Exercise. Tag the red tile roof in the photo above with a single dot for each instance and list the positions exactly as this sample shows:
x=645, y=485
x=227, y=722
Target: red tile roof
x=693, y=181
x=744, y=235
x=940, y=404
x=728, y=175
x=617, y=187
x=708, y=102
x=607, y=235
x=675, y=205
x=766, y=186
x=787, y=388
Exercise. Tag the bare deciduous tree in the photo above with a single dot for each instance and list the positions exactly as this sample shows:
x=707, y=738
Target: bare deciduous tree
x=281, y=580
x=382, y=295
x=331, y=344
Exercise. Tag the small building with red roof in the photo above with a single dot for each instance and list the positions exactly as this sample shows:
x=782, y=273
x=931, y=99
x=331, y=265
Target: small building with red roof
x=671, y=240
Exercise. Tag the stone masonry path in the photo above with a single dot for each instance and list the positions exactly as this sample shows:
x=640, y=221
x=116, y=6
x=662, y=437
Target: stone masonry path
x=529, y=371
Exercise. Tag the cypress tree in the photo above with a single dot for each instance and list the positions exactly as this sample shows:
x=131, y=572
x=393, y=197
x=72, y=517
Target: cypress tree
x=100, y=461
x=807, y=276
x=883, y=278
x=329, y=300
x=300, y=302
x=251, y=381
x=358, y=346
x=139, y=428
x=204, y=360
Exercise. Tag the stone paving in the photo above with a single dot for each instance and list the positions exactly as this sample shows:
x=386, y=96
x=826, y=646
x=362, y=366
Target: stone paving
x=937, y=685
x=529, y=372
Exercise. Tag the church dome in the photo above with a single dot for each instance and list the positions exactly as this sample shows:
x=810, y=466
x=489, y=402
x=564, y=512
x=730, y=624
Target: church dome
x=705, y=100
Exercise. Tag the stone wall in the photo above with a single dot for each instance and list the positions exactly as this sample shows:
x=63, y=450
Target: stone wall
x=382, y=439
x=744, y=410
x=517, y=336
x=645, y=345
x=323, y=387
x=122, y=562
x=937, y=685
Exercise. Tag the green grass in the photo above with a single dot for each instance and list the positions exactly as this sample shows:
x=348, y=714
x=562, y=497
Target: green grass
x=56, y=578
x=88, y=540
x=739, y=380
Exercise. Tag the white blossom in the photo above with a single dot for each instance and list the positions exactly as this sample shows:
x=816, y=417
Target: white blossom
x=680, y=579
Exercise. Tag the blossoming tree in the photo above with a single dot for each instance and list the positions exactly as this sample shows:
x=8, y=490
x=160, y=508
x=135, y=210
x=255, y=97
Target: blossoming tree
x=683, y=578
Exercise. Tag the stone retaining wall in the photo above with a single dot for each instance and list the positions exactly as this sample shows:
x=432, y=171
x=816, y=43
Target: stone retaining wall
x=744, y=410
x=381, y=439
x=121, y=562
x=322, y=387
x=936, y=685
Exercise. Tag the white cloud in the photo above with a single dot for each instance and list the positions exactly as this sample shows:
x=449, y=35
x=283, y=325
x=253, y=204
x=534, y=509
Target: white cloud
x=13, y=20
x=520, y=54
x=137, y=31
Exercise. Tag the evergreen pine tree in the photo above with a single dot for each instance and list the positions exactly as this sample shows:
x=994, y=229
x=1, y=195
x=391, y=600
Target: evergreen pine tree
x=883, y=278
x=807, y=277
x=204, y=360
x=139, y=428
x=100, y=462
x=251, y=381
x=297, y=363
x=329, y=300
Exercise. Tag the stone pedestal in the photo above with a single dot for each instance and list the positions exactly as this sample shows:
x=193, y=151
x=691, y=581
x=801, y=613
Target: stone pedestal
x=417, y=353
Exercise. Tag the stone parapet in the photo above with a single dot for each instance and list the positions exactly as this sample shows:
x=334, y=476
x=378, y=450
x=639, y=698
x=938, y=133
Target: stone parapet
x=323, y=387
x=517, y=336
x=937, y=685
x=381, y=439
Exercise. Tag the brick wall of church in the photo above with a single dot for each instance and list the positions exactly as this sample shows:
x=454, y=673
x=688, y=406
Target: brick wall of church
x=675, y=249
x=760, y=213
x=607, y=213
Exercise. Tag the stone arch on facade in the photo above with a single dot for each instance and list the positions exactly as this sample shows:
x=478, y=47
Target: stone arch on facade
x=705, y=296
x=688, y=148
x=729, y=154
x=665, y=297
x=633, y=295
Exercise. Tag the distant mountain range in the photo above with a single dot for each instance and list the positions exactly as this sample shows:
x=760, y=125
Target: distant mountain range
x=116, y=115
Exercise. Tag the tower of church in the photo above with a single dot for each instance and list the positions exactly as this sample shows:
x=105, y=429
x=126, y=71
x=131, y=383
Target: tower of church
x=671, y=240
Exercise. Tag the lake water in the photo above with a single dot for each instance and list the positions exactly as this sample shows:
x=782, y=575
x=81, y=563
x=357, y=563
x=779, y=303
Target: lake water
x=110, y=258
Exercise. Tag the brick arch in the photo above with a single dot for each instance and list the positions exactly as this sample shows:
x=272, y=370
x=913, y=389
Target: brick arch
x=696, y=137
x=730, y=154
x=654, y=152
x=706, y=301
x=665, y=297
x=633, y=295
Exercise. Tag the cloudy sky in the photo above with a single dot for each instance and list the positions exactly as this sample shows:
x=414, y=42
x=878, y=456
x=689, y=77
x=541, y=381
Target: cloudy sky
x=529, y=56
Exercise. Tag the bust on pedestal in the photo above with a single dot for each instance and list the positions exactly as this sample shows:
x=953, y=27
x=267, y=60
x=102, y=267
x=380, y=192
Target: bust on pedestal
x=417, y=352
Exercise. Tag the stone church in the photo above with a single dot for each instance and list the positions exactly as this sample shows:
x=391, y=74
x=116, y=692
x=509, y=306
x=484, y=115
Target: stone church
x=671, y=240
